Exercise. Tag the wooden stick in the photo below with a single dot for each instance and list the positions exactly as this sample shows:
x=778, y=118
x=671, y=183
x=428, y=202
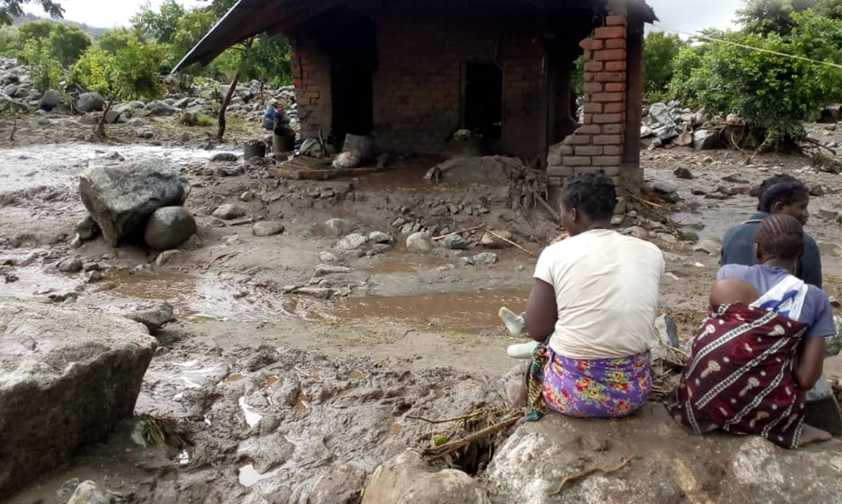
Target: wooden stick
x=638, y=198
x=510, y=242
x=549, y=207
x=588, y=472
x=468, y=230
x=447, y=420
x=441, y=451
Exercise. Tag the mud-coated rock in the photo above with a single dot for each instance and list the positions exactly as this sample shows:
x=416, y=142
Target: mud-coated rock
x=89, y=102
x=152, y=316
x=496, y=239
x=351, y=242
x=229, y=211
x=668, y=464
x=121, y=198
x=419, y=243
x=50, y=100
x=70, y=265
x=88, y=493
x=339, y=227
x=224, y=157
x=407, y=479
x=267, y=228
x=160, y=108
x=342, y=484
x=68, y=376
x=455, y=242
x=87, y=229
x=169, y=227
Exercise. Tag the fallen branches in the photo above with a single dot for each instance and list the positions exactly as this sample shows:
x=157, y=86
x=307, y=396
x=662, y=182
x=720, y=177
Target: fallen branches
x=468, y=230
x=510, y=242
x=447, y=420
x=588, y=472
x=453, y=446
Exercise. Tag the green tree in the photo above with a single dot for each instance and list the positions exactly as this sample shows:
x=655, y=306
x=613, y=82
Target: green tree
x=34, y=30
x=67, y=43
x=772, y=16
x=10, y=9
x=114, y=40
x=659, y=55
x=9, y=41
x=45, y=70
x=161, y=25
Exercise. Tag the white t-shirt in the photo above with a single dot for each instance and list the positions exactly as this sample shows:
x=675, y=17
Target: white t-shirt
x=606, y=288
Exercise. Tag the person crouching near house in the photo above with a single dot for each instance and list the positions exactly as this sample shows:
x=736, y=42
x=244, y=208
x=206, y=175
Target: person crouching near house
x=761, y=347
x=592, y=308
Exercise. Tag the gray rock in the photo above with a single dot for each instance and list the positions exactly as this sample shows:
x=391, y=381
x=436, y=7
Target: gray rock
x=70, y=265
x=229, y=211
x=641, y=233
x=88, y=493
x=455, y=242
x=330, y=269
x=89, y=119
x=353, y=241
x=54, y=360
x=137, y=122
x=419, y=243
x=169, y=227
x=822, y=408
x=50, y=100
x=160, y=108
x=153, y=317
x=736, y=178
x=121, y=198
x=166, y=256
x=339, y=227
x=224, y=157
x=267, y=228
x=145, y=134
x=705, y=140
x=380, y=237
x=87, y=229
x=11, y=90
x=490, y=241
x=665, y=188
x=712, y=246
x=667, y=331
x=341, y=484
x=661, y=113
x=816, y=190
x=485, y=259
x=185, y=137
x=327, y=257
x=112, y=116
x=89, y=102
x=683, y=173
x=267, y=452
x=407, y=479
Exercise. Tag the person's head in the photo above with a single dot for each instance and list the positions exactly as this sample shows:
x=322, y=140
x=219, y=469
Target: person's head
x=730, y=291
x=784, y=194
x=779, y=238
x=587, y=201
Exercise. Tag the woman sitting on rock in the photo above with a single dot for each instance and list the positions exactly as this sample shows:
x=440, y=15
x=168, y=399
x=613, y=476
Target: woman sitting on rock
x=592, y=307
x=760, y=348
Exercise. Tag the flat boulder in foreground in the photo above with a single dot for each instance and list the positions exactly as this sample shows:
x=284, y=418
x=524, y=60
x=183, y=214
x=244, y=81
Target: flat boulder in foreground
x=67, y=376
x=668, y=465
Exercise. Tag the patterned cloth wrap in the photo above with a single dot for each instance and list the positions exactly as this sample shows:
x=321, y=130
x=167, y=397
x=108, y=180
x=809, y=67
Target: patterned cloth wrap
x=600, y=388
x=739, y=377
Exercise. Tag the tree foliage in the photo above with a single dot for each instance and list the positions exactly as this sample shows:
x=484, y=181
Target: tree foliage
x=67, y=43
x=131, y=72
x=14, y=8
x=161, y=25
x=45, y=70
x=660, y=51
x=776, y=16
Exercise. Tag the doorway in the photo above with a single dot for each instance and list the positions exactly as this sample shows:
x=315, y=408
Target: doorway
x=353, y=59
x=484, y=100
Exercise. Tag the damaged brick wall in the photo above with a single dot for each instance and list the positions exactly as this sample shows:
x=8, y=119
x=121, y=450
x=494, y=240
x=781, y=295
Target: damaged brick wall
x=311, y=77
x=599, y=142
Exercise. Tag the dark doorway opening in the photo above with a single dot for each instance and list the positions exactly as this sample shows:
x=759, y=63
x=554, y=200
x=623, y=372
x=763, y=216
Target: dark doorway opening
x=484, y=99
x=353, y=59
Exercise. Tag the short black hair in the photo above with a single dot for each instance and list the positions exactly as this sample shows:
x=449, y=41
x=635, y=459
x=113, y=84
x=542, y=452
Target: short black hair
x=592, y=193
x=780, y=236
x=784, y=189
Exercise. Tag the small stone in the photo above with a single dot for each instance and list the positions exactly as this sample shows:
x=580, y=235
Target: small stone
x=153, y=318
x=95, y=276
x=419, y=243
x=665, y=188
x=185, y=137
x=229, y=211
x=489, y=240
x=668, y=238
x=77, y=241
x=341, y=484
x=816, y=190
x=455, y=242
x=484, y=259
x=708, y=160
x=683, y=173
x=267, y=228
x=70, y=265
x=736, y=178
x=87, y=229
x=327, y=257
x=381, y=237
x=169, y=227
x=711, y=246
x=247, y=196
x=353, y=241
x=639, y=232
x=166, y=256
x=380, y=248
x=339, y=227
x=330, y=269
x=224, y=157
x=617, y=220
x=667, y=331
x=88, y=493
x=689, y=236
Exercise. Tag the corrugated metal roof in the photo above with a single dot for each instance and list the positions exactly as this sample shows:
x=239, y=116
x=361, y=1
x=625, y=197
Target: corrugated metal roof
x=248, y=18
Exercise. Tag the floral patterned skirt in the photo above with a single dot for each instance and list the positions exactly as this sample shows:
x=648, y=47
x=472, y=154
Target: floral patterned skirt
x=601, y=388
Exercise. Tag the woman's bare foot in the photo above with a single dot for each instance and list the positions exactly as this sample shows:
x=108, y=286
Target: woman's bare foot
x=813, y=435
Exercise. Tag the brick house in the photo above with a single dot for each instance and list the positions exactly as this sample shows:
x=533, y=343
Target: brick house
x=410, y=73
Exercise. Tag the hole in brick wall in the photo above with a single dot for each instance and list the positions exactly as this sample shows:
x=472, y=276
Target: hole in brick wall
x=353, y=57
x=484, y=99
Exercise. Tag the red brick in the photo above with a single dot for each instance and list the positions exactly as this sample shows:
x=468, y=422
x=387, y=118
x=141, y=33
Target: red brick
x=587, y=119
x=611, y=77
x=608, y=119
x=615, y=44
x=588, y=150
x=588, y=129
x=592, y=108
x=612, y=150
x=591, y=44
x=615, y=66
x=610, y=129
x=615, y=21
x=608, y=140
x=590, y=76
x=577, y=161
x=610, y=108
x=609, y=97
x=594, y=66
x=610, y=32
x=610, y=55
x=593, y=87
x=615, y=87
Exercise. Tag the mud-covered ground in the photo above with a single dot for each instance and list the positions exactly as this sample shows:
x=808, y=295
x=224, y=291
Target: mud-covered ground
x=271, y=389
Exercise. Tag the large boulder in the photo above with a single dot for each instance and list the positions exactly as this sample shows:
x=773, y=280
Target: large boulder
x=89, y=102
x=50, y=100
x=67, y=376
x=169, y=227
x=407, y=479
x=160, y=108
x=121, y=198
x=667, y=464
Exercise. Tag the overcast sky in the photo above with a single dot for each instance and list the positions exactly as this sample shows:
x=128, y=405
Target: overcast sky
x=685, y=15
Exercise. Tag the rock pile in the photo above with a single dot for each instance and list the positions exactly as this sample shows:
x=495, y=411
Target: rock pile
x=668, y=124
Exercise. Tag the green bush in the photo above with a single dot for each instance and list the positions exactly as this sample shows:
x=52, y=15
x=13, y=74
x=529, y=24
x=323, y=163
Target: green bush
x=44, y=68
x=660, y=51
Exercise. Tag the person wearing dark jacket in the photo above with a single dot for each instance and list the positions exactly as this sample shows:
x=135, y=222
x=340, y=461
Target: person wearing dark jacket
x=779, y=194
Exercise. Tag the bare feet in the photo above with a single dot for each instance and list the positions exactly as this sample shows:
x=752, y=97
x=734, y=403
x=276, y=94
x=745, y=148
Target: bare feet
x=813, y=435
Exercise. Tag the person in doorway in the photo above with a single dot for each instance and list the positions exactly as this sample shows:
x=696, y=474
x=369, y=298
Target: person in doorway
x=592, y=309
x=761, y=347
x=781, y=194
